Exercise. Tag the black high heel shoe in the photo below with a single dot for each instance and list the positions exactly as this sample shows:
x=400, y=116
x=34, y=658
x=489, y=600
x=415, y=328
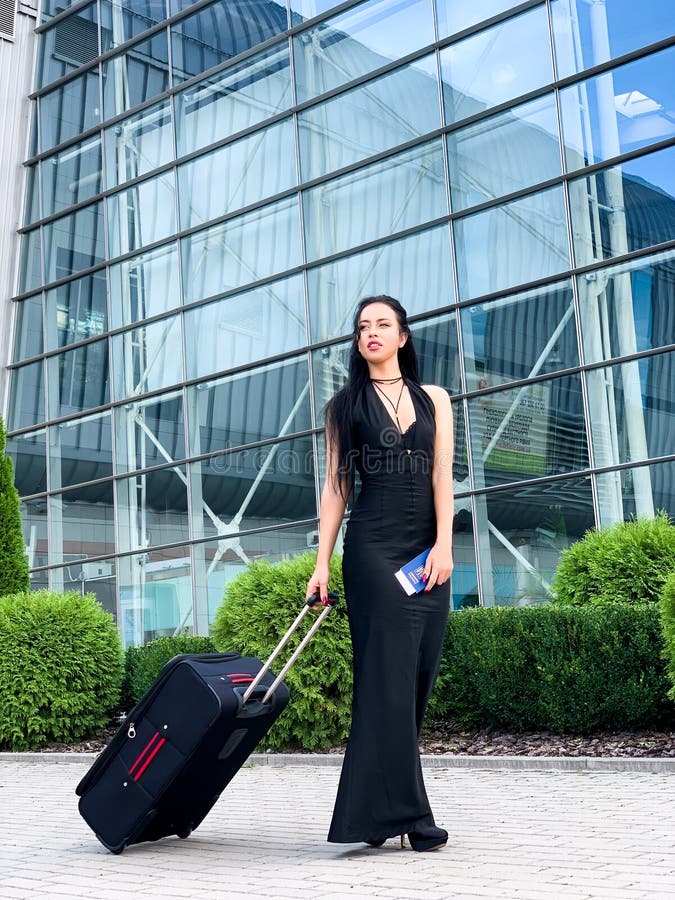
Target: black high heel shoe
x=430, y=838
x=375, y=843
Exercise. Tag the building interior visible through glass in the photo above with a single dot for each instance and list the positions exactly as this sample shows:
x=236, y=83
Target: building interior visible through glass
x=200, y=224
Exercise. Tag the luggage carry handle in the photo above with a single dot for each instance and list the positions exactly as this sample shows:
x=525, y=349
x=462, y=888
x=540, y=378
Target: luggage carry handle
x=309, y=603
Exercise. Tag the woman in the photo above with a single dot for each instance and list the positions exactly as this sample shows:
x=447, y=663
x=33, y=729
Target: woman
x=398, y=435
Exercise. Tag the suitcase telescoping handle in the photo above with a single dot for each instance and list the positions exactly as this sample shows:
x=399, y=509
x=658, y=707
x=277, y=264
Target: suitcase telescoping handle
x=309, y=603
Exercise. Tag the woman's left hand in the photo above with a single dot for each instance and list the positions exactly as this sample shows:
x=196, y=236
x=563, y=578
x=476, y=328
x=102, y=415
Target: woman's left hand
x=439, y=565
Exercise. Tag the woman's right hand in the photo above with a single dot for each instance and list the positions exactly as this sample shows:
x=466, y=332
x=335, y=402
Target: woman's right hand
x=318, y=583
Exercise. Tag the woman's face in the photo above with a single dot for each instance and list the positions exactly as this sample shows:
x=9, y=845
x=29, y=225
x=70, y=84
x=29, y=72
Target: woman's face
x=379, y=334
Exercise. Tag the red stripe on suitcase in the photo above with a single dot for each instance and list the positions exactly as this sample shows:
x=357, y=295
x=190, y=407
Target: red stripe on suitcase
x=143, y=752
x=150, y=758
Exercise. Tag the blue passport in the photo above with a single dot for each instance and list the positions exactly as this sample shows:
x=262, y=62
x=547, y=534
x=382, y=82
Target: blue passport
x=409, y=576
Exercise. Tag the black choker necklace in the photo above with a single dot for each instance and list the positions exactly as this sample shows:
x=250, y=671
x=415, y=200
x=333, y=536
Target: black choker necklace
x=386, y=380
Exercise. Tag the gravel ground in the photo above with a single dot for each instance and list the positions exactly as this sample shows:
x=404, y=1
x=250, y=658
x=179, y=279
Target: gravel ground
x=492, y=742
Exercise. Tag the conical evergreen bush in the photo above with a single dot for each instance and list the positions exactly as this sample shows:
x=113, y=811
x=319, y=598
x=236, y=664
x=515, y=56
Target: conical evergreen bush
x=14, y=577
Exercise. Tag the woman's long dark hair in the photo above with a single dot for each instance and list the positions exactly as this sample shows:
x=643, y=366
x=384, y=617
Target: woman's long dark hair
x=339, y=410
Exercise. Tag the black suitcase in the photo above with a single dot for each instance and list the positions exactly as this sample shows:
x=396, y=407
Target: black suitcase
x=183, y=743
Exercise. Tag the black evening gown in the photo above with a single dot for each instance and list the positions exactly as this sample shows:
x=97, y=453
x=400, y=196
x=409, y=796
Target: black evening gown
x=396, y=639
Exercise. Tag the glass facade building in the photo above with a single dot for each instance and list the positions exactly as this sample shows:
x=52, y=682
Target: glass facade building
x=212, y=187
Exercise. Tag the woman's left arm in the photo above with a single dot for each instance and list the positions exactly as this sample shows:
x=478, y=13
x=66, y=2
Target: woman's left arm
x=439, y=563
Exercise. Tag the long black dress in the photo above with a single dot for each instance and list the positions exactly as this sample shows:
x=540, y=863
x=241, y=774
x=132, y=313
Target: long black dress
x=396, y=639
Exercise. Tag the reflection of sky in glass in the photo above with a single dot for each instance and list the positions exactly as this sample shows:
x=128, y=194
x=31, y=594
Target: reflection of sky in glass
x=657, y=170
x=591, y=137
x=483, y=70
x=359, y=41
x=606, y=31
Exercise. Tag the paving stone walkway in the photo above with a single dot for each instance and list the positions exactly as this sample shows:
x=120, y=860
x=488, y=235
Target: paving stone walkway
x=531, y=835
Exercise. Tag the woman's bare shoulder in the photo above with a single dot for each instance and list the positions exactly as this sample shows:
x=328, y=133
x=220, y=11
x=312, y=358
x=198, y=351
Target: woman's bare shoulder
x=438, y=394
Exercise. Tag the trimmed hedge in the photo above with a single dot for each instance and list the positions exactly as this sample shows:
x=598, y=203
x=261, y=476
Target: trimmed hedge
x=565, y=669
x=143, y=664
x=258, y=607
x=668, y=622
x=628, y=562
x=61, y=667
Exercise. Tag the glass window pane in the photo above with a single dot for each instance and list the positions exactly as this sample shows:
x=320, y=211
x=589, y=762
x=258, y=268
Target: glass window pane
x=512, y=244
x=505, y=153
x=135, y=76
x=78, y=379
x=26, y=397
x=628, y=308
x=237, y=330
x=149, y=432
x=80, y=450
x=237, y=174
x=29, y=455
x=34, y=521
x=81, y=524
x=359, y=41
x=51, y=8
x=483, y=70
x=624, y=207
x=139, y=144
x=636, y=492
x=623, y=109
x=147, y=358
x=74, y=242
x=28, y=330
x=144, y=285
x=519, y=336
x=302, y=10
x=438, y=356
x=216, y=565
x=71, y=177
x=376, y=201
x=30, y=275
x=152, y=508
x=376, y=116
x=220, y=31
x=228, y=102
x=590, y=33
x=242, y=250
x=632, y=410
x=155, y=595
x=416, y=270
x=453, y=17
x=142, y=214
x=97, y=578
x=66, y=46
x=76, y=310
x=524, y=432
x=70, y=109
x=122, y=20
x=280, y=476
x=32, y=203
x=260, y=404
x=522, y=532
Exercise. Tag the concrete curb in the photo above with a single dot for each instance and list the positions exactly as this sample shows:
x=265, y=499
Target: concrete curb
x=654, y=764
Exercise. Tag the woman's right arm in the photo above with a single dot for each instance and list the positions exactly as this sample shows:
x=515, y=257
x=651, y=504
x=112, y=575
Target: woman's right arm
x=333, y=503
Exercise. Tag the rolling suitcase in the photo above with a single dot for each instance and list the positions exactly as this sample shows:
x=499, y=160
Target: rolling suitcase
x=184, y=741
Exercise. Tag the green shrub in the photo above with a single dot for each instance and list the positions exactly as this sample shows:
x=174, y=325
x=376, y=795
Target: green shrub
x=569, y=669
x=258, y=608
x=628, y=562
x=143, y=664
x=61, y=668
x=13, y=560
x=668, y=623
